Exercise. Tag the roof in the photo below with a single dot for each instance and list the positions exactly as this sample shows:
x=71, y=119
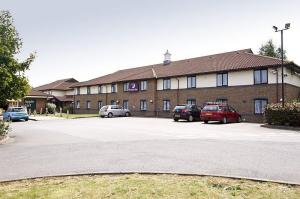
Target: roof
x=228, y=61
x=64, y=98
x=62, y=84
x=37, y=94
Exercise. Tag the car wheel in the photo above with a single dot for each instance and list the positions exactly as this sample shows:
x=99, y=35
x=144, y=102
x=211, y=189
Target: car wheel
x=191, y=118
x=176, y=119
x=224, y=121
x=239, y=120
x=110, y=115
x=127, y=114
x=102, y=116
x=205, y=121
x=26, y=119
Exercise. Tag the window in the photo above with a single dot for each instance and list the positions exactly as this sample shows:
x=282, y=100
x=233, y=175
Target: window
x=191, y=81
x=259, y=105
x=222, y=79
x=113, y=102
x=78, y=91
x=100, y=89
x=125, y=104
x=88, y=104
x=125, y=86
x=222, y=100
x=167, y=84
x=261, y=76
x=88, y=90
x=77, y=104
x=143, y=85
x=191, y=101
x=143, y=105
x=166, y=105
x=113, y=88
x=100, y=104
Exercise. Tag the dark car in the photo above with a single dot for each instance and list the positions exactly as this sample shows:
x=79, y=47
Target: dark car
x=219, y=112
x=186, y=112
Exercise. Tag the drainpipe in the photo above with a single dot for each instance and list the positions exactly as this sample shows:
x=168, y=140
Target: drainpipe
x=177, y=91
x=155, y=92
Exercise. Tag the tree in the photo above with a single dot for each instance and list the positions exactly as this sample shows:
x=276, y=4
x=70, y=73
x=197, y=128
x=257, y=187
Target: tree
x=269, y=49
x=13, y=83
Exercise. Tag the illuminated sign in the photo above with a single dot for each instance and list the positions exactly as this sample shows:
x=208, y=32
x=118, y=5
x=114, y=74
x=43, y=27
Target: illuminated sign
x=133, y=86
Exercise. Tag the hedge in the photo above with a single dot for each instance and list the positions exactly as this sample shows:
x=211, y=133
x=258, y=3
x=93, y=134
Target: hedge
x=288, y=115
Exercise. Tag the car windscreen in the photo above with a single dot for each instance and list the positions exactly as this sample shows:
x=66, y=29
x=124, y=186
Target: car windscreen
x=211, y=108
x=104, y=108
x=180, y=107
x=17, y=110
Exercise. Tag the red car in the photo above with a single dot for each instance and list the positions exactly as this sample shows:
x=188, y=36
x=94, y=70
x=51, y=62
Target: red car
x=219, y=112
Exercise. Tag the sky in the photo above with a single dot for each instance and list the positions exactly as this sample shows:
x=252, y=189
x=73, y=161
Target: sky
x=89, y=38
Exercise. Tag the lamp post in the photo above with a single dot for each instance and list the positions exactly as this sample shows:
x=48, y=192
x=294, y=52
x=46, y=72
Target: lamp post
x=286, y=27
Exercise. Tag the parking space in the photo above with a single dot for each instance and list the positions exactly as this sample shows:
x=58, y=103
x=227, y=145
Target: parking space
x=57, y=147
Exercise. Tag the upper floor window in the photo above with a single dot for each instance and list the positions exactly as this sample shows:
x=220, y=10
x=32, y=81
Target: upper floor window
x=259, y=105
x=143, y=85
x=167, y=84
x=166, y=105
x=88, y=90
x=126, y=86
x=88, y=104
x=78, y=91
x=191, y=81
x=77, y=104
x=113, y=88
x=100, y=89
x=261, y=76
x=222, y=79
x=143, y=105
x=191, y=101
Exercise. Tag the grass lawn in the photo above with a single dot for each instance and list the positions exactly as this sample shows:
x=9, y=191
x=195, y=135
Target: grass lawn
x=145, y=186
x=74, y=116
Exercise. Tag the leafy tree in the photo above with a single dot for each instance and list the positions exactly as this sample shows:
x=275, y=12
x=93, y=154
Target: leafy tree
x=269, y=49
x=13, y=83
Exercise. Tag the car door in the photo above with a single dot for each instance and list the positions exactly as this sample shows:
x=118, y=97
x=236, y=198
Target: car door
x=195, y=111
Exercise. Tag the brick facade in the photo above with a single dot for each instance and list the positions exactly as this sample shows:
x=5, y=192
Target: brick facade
x=240, y=97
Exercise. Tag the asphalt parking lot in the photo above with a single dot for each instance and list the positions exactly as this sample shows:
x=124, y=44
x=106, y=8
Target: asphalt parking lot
x=116, y=145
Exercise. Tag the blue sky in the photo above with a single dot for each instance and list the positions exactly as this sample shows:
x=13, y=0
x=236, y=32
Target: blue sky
x=86, y=39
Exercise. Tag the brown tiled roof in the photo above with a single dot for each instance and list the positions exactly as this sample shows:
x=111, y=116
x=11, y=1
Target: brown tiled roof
x=64, y=98
x=62, y=84
x=37, y=93
x=229, y=61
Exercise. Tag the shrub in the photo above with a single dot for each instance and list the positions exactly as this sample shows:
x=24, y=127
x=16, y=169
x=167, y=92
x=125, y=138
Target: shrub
x=4, y=128
x=51, y=108
x=287, y=115
x=68, y=108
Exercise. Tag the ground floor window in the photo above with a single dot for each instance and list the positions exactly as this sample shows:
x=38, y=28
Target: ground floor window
x=125, y=104
x=166, y=105
x=191, y=101
x=88, y=104
x=222, y=100
x=113, y=102
x=78, y=104
x=100, y=104
x=259, y=105
x=143, y=105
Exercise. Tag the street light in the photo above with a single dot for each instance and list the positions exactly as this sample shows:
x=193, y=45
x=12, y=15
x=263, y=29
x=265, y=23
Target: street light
x=286, y=27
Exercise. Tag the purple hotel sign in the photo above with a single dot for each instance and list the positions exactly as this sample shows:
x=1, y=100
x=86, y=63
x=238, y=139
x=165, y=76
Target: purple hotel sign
x=133, y=86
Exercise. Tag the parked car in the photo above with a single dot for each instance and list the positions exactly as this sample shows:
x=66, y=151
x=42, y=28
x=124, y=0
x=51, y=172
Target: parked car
x=113, y=110
x=219, y=112
x=15, y=113
x=186, y=112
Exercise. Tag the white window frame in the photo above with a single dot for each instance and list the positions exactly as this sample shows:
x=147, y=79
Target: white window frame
x=78, y=104
x=166, y=84
x=191, y=81
x=259, y=78
x=259, y=106
x=224, y=81
x=166, y=105
x=144, y=85
x=143, y=105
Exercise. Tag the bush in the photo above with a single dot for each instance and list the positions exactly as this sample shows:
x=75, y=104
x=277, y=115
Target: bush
x=51, y=108
x=4, y=128
x=68, y=108
x=287, y=115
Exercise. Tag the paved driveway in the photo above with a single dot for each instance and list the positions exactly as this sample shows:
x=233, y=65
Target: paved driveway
x=97, y=145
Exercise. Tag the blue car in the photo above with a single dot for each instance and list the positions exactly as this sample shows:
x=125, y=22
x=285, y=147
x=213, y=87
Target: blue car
x=15, y=113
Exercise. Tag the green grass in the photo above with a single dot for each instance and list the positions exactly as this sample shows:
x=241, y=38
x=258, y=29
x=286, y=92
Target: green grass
x=144, y=186
x=75, y=116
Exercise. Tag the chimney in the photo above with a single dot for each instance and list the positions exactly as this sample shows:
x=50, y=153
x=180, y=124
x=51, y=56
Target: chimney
x=167, y=58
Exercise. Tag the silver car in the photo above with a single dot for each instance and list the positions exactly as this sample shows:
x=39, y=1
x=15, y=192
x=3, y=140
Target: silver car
x=113, y=110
